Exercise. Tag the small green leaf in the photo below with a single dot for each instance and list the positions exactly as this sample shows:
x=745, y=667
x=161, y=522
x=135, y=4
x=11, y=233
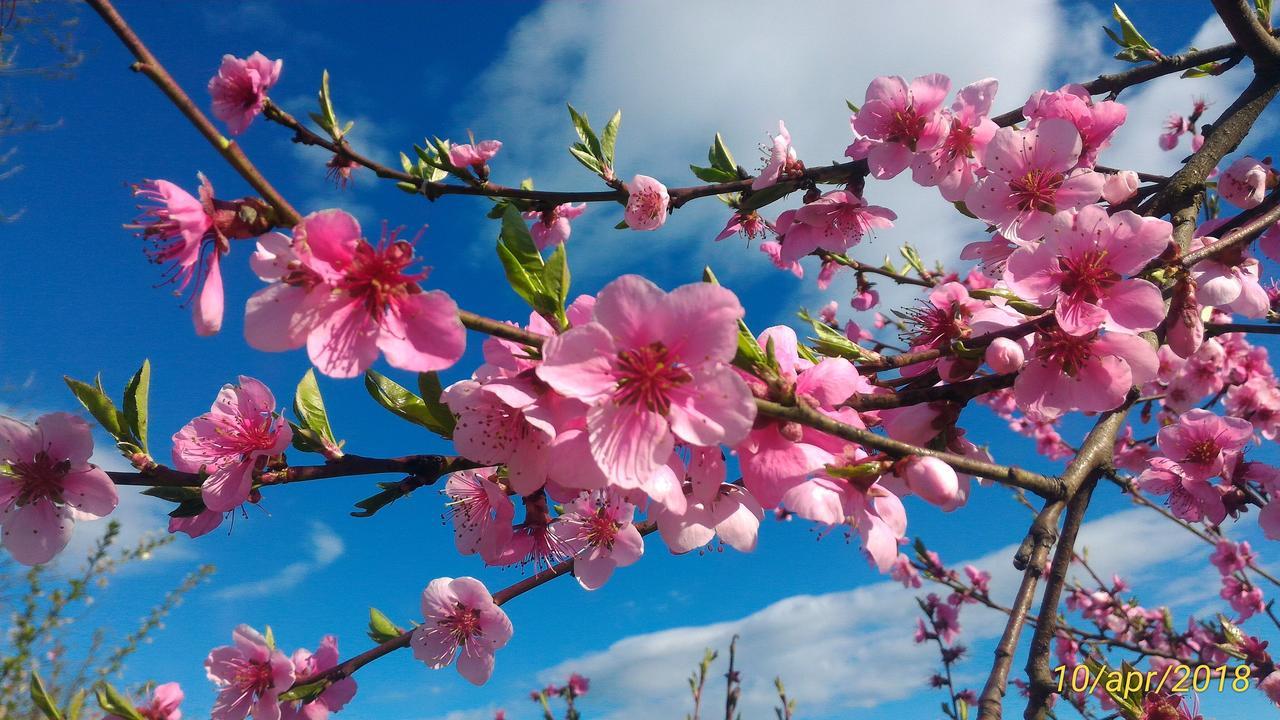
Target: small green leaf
x=75, y=705
x=305, y=693
x=713, y=175
x=113, y=703
x=430, y=388
x=135, y=403
x=401, y=402
x=173, y=493
x=381, y=629
x=99, y=406
x=585, y=133
x=308, y=407
x=586, y=159
x=522, y=263
x=852, y=108
x=41, y=698
x=720, y=157
x=759, y=199
x=1264, y=13
x=610, y=137
x=556, y=279
x=830, y=342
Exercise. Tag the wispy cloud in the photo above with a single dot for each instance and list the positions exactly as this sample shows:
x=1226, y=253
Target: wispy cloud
x=325, y=546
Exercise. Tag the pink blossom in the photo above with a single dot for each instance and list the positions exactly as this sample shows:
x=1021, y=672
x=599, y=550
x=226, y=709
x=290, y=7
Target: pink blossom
x=897, y=120
x=577, y=685
x=748, y=224
x=946, y=620
x=1174, y=127
x=162, y=705
x=1204, y=444
x=1230, y=557
x=979, y=579
x=240, y=88
x=1243, y=597
x=475, y=155
x=1270, y=685
x=1090, y=373
x=904, y=572
x=782, y=158
x=1095, y=121
x=828, y=313
x=1190, y=498
x=196, y=525
x=1244, y=183
x=1129, y=454
x=335, y=696
x=873, y=510
x=481, y=513
x=932, y=479
x=460, y=614
x=505, y=420
x=551, y=227
x=1230, y=283
x=653, y=366
x=347, y=299
x=647, y=202
x=1033, y=174
x=712, y=507
x=47, y=483
x=864, y=299
x=230, y=442
x=597, y=530
x=836, y=221
x=1120, y=186
x=953, y=166
x=773, y=249
x=250, y=675
x=183, y=236
x=1082, y=268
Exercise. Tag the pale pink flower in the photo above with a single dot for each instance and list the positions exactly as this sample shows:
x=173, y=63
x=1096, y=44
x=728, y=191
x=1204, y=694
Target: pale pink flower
x=240, y=88
x=1090, y=373
x=1082, y=269
x=1230, y=557
x=897, y=120
x=1190, y=498
x=231, y=441
x=864, y=299
x=460, y=614
x=1005, y=355
x=647, y=203
x=1270, y=685
x=1033, y=175
x=250, y=676
x=946, y=620
x=476, y=155
x=654, y=367
x=932, y=479
x=1120, y=186
x=1174, y=127
x=1203, y=443
x=1244, y=182
x=712, y=507
x=1129, y=454
x=1095, y=121
x=836, y=221
x=748, y=224
x=183, y=236
x=979, y=579
x=47, y=483
x=551, y=227
x=162, y=705
x=904, y=572
x=481, y=513
x=953, y=164
x=334, y=697
x=1232, y=284
x=1246, y=599
x=196, y=525
x=782, y=157
x=505, y=420
x=597, y=530
x=873, y=510
x=347, y=299
x=773, y=249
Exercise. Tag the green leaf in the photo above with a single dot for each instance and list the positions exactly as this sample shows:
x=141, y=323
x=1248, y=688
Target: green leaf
x=610, y=137
x=556, y=279
x=622, y=225
x=41, y=698
x=1135, y=47
x=99, y=406
x=586, y=159
x=113, y=703
x=135, y=403
x=305, y=693
x=326, y=119
x=173, y=493
x=523, y=265
x=759, y=199
x=308, y=407
x=381, y=629
x=713, y=175
x=188, y=508
x=720, y=157
x=430, y=388
x=585, y=133
x=1264, y=13
x=852, y=108
x=75, y=705
x=831, y=342
x=402, y=402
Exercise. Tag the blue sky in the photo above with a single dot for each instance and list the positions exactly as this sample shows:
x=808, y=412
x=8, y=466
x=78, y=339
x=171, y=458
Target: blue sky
x=77, y=297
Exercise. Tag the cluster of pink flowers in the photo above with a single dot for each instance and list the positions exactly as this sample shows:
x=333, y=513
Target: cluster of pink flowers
x=1177, y=126
x=252, y=674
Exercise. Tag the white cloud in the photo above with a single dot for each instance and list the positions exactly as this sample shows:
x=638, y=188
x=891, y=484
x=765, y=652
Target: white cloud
x=325, y=547
x=831, y=650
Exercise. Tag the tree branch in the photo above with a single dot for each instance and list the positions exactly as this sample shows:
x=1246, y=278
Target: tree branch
x=424, y=466
x=1242, y=23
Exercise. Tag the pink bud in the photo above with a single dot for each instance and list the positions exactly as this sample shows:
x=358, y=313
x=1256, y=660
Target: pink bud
x=1120, y=186
x=931, y=479
x=1005, y=355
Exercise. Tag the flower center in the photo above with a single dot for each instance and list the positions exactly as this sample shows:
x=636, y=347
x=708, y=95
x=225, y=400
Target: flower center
x=253, y=677
x=377, y=274
x=1089, y=276
x=959, y=142
x=601, y=529
x=1204, y=451
x=1068, y=351
x=905, y=127
x=1036, y=190
x=937, y=326
x=462, y=625
x=39, y=478
x=646, y=203
x=647, y=376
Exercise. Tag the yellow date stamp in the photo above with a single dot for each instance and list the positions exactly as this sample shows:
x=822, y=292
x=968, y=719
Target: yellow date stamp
x=1173, y=678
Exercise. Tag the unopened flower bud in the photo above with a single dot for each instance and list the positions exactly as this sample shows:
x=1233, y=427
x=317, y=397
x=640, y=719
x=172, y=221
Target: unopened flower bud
x=931, y=479
x=1120, y=187
x=1005, y=355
